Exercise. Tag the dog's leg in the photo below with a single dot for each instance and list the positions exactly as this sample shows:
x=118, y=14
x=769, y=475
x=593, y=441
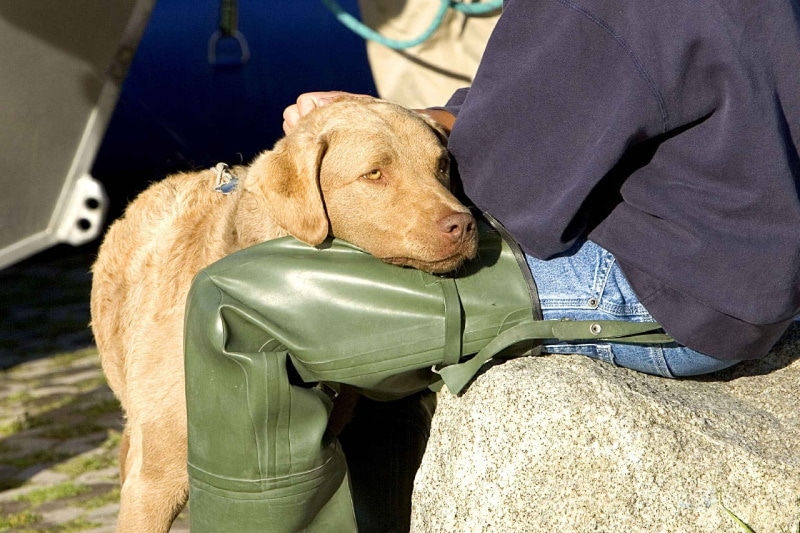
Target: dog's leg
x=156, y=486
x=124, y=446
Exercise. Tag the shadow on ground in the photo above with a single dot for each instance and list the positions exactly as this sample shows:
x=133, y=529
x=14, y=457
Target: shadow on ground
x=44, y=304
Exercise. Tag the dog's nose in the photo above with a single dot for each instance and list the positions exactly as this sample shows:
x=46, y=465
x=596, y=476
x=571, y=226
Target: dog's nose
x=457, y=226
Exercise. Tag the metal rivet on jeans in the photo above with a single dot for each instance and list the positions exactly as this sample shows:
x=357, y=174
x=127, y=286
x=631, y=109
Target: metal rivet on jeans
x=595, y=329
x=593, y=302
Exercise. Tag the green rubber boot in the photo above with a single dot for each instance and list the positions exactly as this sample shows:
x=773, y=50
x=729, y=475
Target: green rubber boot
x=268, y=324
x=271, y=328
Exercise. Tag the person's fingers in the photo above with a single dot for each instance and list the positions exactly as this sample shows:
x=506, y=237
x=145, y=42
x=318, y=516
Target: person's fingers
x=306, y=103
x=290, y=117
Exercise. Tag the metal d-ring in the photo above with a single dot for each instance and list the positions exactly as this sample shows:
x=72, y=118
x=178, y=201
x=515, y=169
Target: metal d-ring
x=218, y=35
x=228, y=29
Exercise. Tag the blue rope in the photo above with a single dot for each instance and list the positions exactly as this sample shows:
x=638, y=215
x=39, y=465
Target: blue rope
x=365, y=32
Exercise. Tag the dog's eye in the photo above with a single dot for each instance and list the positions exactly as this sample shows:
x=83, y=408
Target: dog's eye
x=444, y=165
x=373, y=175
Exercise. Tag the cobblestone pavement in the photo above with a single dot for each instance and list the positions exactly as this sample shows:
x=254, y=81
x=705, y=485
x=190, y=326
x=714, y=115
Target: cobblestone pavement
x=59, y=422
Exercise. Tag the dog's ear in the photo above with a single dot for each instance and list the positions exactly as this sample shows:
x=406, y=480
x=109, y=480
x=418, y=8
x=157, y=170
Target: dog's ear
x=437, y=128
x=288, y=178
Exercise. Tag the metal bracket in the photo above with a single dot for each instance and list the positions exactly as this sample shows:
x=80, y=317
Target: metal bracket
x=84, y=212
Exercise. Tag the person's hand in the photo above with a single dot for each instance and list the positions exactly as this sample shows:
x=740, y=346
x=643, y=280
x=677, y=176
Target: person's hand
x=444, y=118
x=306, y=103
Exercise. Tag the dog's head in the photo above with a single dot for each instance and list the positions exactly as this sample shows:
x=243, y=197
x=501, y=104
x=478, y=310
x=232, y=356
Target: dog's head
x=372, y=173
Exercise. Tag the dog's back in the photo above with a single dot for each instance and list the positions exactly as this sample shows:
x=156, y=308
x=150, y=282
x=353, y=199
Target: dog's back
x=146, y=263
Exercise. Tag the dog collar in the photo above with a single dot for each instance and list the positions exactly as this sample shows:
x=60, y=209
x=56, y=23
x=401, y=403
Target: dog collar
x=226, y=182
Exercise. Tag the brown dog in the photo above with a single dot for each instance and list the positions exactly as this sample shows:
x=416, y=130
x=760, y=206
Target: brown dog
x=363, y=170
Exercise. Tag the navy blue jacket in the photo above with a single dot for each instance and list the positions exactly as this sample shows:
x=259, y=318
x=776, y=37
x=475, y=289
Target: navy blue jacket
x=666, y=132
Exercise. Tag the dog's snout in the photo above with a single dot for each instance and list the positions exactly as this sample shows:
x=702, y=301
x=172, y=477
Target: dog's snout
x=457, y=226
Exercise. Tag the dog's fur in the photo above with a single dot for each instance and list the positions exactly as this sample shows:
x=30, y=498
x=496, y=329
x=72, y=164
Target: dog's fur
x=361, y=169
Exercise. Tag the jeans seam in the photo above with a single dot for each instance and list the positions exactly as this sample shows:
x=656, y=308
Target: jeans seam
x=623, y=311
x=561, y=303
x=600, y=282
x=603, y=351
x=608, y=353
x=660, y=361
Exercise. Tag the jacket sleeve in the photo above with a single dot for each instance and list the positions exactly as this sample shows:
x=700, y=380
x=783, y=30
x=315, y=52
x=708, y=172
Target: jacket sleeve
x=558, y=99
x=453, y=105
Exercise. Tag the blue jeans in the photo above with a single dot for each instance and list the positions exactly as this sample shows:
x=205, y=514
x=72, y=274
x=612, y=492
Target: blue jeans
x=586, y=283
